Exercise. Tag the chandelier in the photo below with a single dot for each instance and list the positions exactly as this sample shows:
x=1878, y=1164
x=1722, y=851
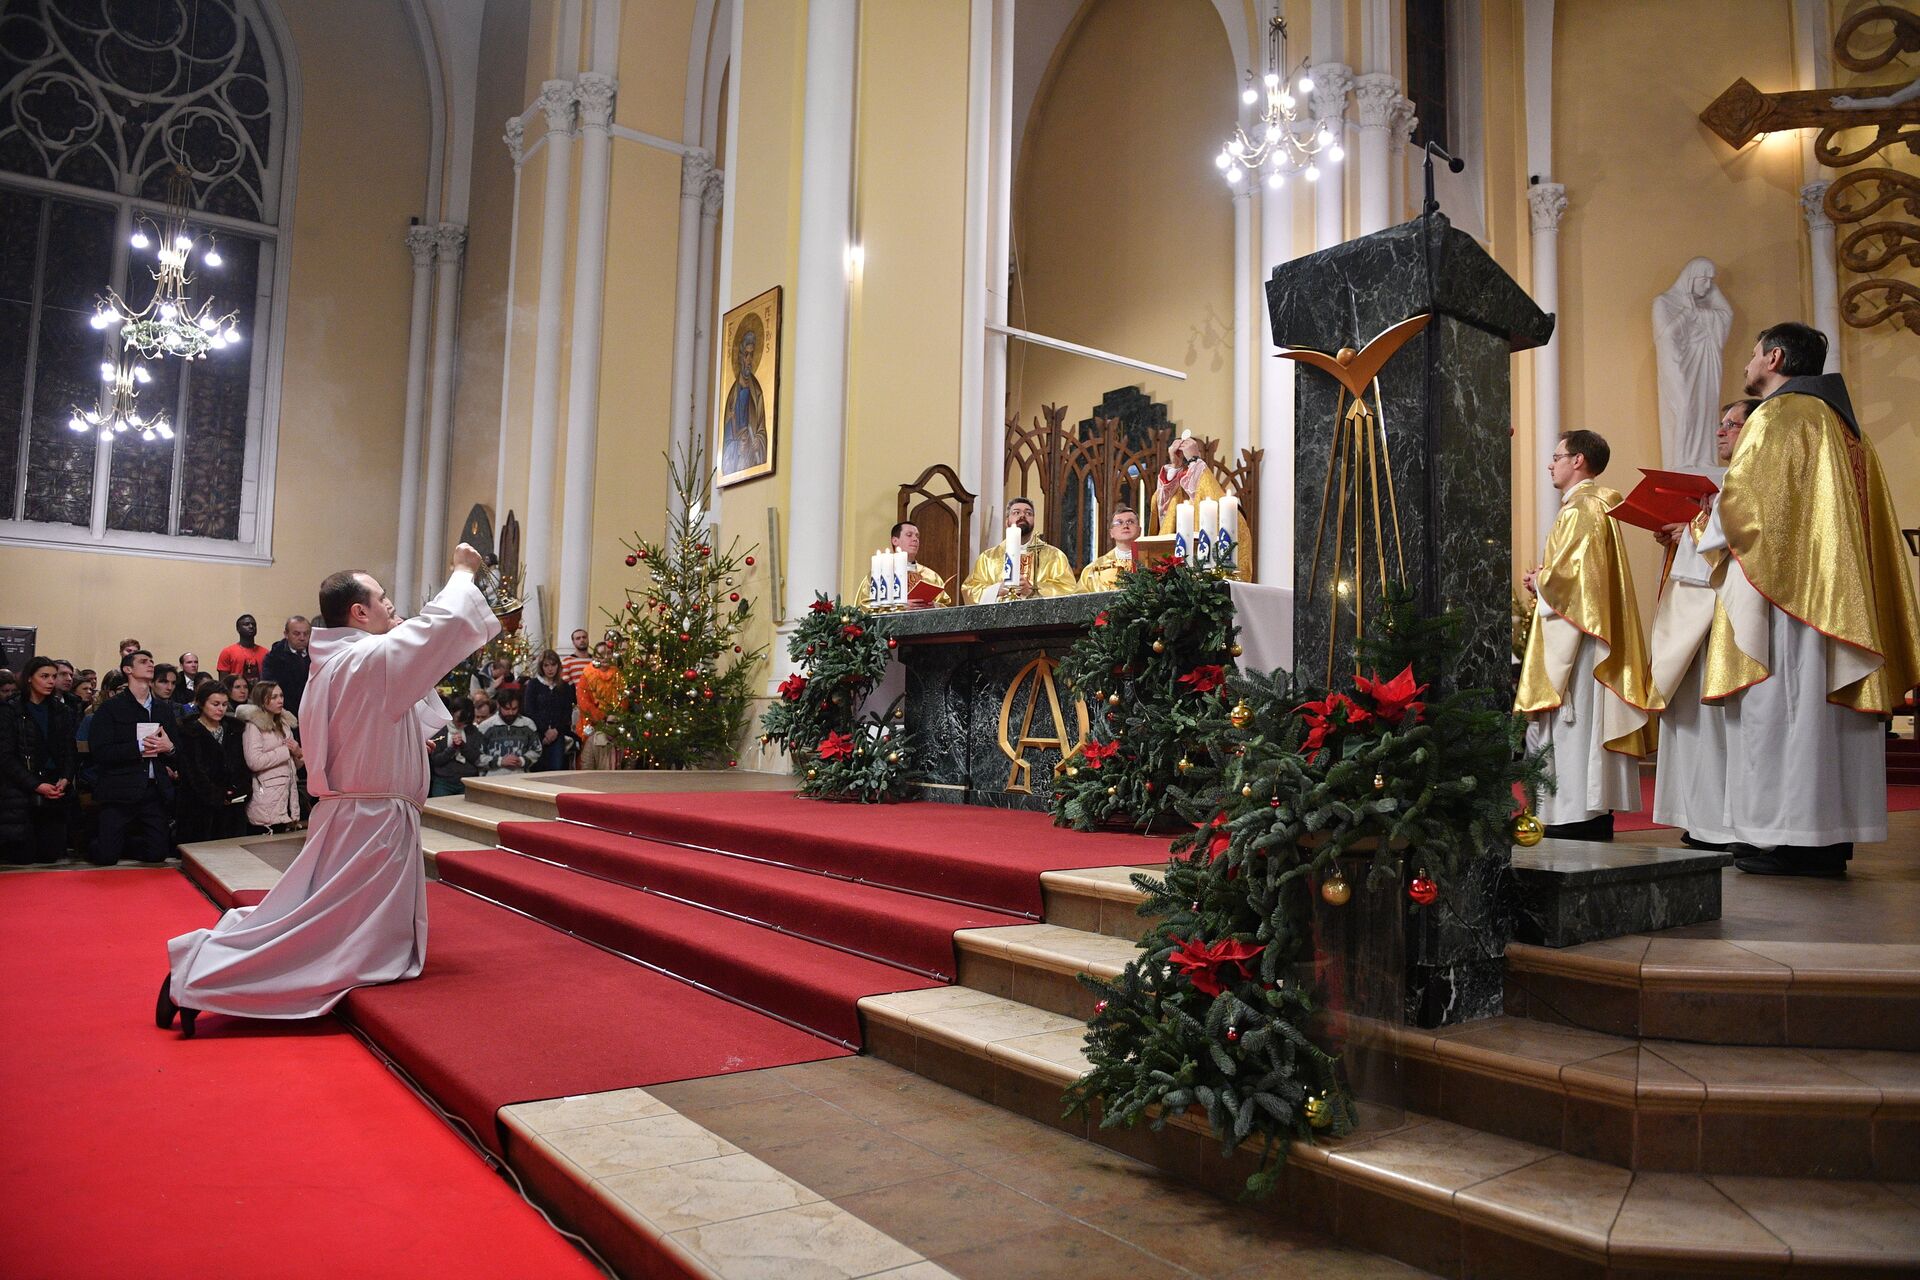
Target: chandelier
x=1281, y=141
x=117, y=411
x=171, y=324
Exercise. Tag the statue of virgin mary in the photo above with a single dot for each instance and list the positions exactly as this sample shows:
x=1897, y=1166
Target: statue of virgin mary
x=1690, y=325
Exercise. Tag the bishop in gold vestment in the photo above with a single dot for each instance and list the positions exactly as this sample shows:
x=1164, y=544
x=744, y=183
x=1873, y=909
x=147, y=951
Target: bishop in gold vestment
x=1584, y=682
x=1188, y=479
x=1050, y=573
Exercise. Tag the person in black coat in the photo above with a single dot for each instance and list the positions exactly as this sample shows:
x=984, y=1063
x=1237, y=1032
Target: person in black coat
x=287, y=662
x=214, y=779
x=38, y=768
x=454, y=753
x=550, y=706
x=132, y=784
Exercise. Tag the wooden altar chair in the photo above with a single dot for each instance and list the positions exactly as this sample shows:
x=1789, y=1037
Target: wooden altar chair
x=944, y=515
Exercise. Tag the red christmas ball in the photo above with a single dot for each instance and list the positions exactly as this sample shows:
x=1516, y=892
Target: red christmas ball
x=705, y=551
x=733, y=595
x=1148, y=786
x=632, y=561
x=809, y=651
x=892, y=643
x=736, y=648
x=1423, y=890
x=683, y=635
x=643, y=554
x=1100, y=1007
x=749, y=559
x=733, y=764
x=691, y=674
x=1233, y=1035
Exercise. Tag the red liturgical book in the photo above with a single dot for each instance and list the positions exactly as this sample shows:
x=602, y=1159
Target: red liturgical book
x=922, y=592
x=1664, y=498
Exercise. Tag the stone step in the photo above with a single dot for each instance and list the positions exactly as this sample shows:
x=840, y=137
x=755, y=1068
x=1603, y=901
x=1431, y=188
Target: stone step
x=1571, y=891
x=469, y=819
x=1641, y=1104
x=1449, y=1198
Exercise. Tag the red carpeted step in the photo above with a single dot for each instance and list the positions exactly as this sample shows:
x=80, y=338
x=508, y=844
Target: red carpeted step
x=993, y=857
x=509, y=1010
x=813, y=985
x=903, y=928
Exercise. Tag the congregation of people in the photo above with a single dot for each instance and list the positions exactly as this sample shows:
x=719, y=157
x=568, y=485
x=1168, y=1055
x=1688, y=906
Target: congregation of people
x=125, y=764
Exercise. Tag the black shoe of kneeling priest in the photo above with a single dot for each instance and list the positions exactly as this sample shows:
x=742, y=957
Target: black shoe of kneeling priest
x=1822, y=861
x=1600, y=828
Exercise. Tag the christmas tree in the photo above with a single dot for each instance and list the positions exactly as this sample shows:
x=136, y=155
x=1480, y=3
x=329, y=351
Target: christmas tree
x=687, y=676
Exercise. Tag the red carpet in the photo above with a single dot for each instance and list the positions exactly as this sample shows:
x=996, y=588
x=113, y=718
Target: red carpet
x=284, y=1151
x=993, y=857
x=510, y=1010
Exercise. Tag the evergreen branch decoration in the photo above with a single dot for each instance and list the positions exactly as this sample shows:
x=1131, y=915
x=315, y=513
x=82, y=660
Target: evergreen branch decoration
x=840, y=651
x=1395, y=774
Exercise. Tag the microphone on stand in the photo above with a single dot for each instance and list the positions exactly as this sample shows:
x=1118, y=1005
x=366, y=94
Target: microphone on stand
x=1454, y=165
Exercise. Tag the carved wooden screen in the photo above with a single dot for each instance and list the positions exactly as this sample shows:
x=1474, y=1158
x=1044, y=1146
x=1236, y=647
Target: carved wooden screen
x=944, y=516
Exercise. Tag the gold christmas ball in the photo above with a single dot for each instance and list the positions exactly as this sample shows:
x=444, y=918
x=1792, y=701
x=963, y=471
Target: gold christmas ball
x=1527, y=830
x=1319, y=1111
x=1246, y=792
x=1158, y=647
x=1235, y=650
x=1335, y=890
x=813, y=773
x=1240, y=714
x=1113, y=791
x=893, y=757
x=1183, y=764
x=1073, y=771
x=1379, y=782
x=1113, y=699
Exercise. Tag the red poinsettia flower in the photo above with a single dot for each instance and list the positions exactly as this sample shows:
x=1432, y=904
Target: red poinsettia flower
x=793, y=688
x=1205, y=963
x=1204, y=679
x=1167, y=565
x=821, y=606
x=852, y=631
x=835, y=746
x=1100, y=618
x=1220, y=840
x=1094, y=752
x=1393, y=700
x=1334, y=712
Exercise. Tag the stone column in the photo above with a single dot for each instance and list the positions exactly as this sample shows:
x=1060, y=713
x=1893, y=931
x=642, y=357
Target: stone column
x=449, y=247
x=1243, y=325
x=543, y=430
x=820, y=311
x=1273, y=535
x=1826, y=281
x=1332, y=81
x=711, y=201
x=1547, y=204
x=594, y=91
x=1375, y=95
x=695, y=169
x=515, y=137
x=407, y=546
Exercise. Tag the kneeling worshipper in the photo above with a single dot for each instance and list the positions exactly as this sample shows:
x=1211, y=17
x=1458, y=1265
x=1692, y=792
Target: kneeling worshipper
x=1823, y=636
x=906, y=537
x=1690, y=789
x=1584, y=683
x=1047, y=574
x=1103, y=574
x=352, y=909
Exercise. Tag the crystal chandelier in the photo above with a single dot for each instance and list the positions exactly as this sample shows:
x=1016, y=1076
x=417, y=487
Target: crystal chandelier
x=117, y=412
x=1281, y=141
x=171, y=324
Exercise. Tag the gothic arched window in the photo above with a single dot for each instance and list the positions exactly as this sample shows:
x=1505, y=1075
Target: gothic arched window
x=105, y=105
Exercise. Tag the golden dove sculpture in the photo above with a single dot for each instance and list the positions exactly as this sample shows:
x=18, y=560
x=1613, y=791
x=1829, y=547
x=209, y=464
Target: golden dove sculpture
x=1361, y=455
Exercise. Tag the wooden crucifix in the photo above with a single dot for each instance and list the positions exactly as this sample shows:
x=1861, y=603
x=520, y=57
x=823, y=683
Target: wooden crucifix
x=1743, y=113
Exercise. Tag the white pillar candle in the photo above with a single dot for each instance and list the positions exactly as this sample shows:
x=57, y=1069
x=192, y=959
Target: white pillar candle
x=875, y=593
x=1226, y=546
x=1230, y=515
x=1011, y=550
x=900, y=579
x=1093, y=526
x=1183, y=520
x=1210, y=518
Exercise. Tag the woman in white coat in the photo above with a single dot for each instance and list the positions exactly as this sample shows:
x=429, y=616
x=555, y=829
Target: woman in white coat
x=273, y=756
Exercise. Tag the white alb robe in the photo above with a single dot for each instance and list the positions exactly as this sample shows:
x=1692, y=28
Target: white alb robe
x=1690, y=789
x=352, y=909
x=1589, y=780
x=1799, y=770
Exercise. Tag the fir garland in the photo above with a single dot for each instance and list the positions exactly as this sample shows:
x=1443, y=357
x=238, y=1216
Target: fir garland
x=840, y=651
x=1210, y=1015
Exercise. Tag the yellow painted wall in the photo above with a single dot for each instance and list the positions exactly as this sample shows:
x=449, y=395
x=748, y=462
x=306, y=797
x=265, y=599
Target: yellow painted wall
x=361, y=174
x=903, y=375
x=1122, y=226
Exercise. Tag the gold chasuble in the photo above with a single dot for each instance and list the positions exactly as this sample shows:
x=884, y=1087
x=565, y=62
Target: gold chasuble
x=1586, y=580
x=864, y=593
x=1172, y=493
x=1104, y=574
x=1806, y=513
x=1052, y=575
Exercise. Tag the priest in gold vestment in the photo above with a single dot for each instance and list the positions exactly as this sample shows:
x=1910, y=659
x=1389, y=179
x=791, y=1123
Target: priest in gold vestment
x=1584, y=683
x=1049, y=575
x=906, y=537
x=1823, y=636
x=1103, y=573
x=1186, y=478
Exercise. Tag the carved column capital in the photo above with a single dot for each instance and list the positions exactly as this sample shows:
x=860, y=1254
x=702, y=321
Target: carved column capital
x=1331, y=83
x=594, y=91
x=1813, y=206
x=1374, y=96
x=420, y=244
x=515, y=137
x=1547, y=204
x=714, y=194
x=556, y=100
x=696, y=167
x=1404, y=122
x=449, y=241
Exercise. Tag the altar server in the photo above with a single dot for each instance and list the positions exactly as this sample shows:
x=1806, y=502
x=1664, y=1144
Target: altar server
x=1104, y=573
x=906, y=537
x=1584, y=683
x=1823, y=636
x=1690, y=791
x=352, y=909
x=1049, y=575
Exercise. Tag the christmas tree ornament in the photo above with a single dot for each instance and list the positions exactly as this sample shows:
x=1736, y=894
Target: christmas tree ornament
x=892, y=643
x=632, y=561
x=1183, y=764
x=1073, y=771
x=1233, y=1035
x=1527, y=831
x=1099, y=1006
x=1113, y=699
x=733, y=596
x=1379, y=782
x=1235, y=651
x=1335, y=891
x=813, y=773
x=1159, y=646
x=749, y=560
x=1246, y=792
x=1422, y=890
x=893, y=757
x=1319, y=1111
x=1240, y=715
x=1113, y=791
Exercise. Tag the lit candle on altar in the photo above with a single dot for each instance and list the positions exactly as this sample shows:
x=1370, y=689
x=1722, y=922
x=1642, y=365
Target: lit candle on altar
x=1093, y=527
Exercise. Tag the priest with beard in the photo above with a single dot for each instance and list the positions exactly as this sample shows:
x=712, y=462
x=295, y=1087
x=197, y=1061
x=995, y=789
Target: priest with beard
x=1048, y=574
x=1584, y=684
x=1823, y=636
